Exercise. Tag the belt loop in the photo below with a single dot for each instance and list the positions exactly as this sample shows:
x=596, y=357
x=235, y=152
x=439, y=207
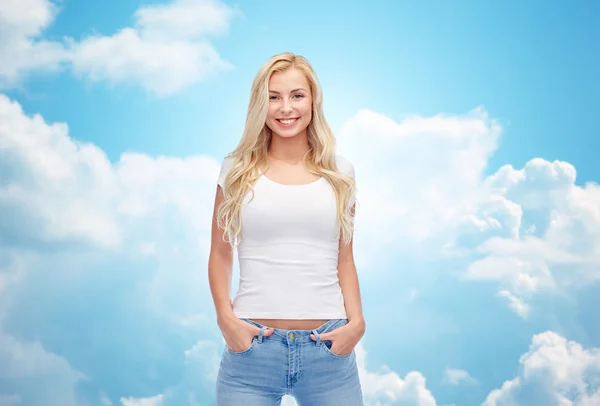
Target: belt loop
x=261, y=333
x=317, y=335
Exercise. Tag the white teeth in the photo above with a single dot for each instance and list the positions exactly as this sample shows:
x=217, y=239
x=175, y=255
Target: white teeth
x=287, y=121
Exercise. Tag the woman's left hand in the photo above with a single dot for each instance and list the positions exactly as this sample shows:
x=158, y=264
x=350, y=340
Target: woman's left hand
x=343, y=339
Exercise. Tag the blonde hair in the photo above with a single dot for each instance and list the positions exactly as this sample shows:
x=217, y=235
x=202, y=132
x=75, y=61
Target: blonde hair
x=252, y=149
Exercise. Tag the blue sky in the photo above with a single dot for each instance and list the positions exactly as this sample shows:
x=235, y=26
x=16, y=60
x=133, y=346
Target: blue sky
x=472, y=128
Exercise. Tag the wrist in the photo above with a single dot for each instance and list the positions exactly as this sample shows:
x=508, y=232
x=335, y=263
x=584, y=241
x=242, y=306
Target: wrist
x=226, y=318
x=358, y=323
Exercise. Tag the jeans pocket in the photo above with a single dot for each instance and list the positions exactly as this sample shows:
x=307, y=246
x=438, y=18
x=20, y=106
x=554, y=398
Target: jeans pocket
x=326, y=345
x=243, y=352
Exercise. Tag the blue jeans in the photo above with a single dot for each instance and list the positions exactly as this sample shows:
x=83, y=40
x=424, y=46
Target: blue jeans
x=289, y=362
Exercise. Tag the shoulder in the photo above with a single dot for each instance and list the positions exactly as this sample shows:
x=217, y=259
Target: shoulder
x=226, y=165
x=344, y=165
x=227, y=162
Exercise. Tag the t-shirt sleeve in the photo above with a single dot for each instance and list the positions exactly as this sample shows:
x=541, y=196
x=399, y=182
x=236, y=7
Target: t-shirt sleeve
x=345, y=166
x=225, y=167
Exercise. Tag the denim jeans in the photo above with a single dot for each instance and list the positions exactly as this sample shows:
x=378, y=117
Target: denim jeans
x=289, y=362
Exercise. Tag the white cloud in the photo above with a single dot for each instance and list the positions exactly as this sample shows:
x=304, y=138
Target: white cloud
x=385, y=387
x=46, y=179
x=162, y=67
x=455, y=376
x=205, y=354
x=426, y=181
x=35, y=375
x=184, y=19
x=152, y=401
x=56, y=189
x=22, y=50
x=558, y=250
x=165, y=51
x=105, y=400
x=555, y=371
x=515, y=303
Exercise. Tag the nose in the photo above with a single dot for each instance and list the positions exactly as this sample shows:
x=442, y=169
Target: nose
x=286, y=106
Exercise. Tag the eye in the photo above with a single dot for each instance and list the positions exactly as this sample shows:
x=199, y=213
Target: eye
x=299, y=95
x=272, y=97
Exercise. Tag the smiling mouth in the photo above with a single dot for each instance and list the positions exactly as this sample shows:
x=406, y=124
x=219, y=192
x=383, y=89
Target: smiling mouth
x=286, y=121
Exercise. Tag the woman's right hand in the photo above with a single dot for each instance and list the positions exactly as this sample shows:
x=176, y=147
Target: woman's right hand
x=239, y=335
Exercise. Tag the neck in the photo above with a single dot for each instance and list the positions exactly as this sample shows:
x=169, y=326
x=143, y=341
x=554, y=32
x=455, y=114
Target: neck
x=288, y=149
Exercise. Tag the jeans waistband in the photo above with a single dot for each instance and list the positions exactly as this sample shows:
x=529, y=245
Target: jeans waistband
x=303, y=335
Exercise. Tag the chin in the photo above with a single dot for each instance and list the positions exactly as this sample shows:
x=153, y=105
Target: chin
x=286, y=135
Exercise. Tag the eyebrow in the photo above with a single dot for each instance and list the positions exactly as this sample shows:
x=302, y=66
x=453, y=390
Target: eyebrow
x=295, y=90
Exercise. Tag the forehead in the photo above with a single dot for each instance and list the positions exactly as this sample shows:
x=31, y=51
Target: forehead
x=287, y=80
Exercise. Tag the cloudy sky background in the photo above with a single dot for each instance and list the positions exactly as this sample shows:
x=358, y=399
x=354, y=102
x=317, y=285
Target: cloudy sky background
x=473, y=131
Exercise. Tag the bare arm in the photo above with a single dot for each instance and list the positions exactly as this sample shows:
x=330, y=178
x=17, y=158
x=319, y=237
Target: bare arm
x=220, y=264
x=348, y=278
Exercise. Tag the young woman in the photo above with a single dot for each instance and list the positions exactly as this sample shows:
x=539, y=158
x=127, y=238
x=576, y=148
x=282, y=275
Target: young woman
x=286, y=201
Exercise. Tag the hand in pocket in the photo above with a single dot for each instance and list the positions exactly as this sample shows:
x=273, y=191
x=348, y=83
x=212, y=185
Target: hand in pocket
x=343, y=339
x=239, y=335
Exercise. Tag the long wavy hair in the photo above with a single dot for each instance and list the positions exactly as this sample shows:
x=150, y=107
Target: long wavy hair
x=251, y=152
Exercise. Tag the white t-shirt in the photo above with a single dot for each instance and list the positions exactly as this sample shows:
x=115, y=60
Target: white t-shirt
x=288, y=254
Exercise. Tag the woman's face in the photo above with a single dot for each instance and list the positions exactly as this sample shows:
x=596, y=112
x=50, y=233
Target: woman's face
x=290, y=103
